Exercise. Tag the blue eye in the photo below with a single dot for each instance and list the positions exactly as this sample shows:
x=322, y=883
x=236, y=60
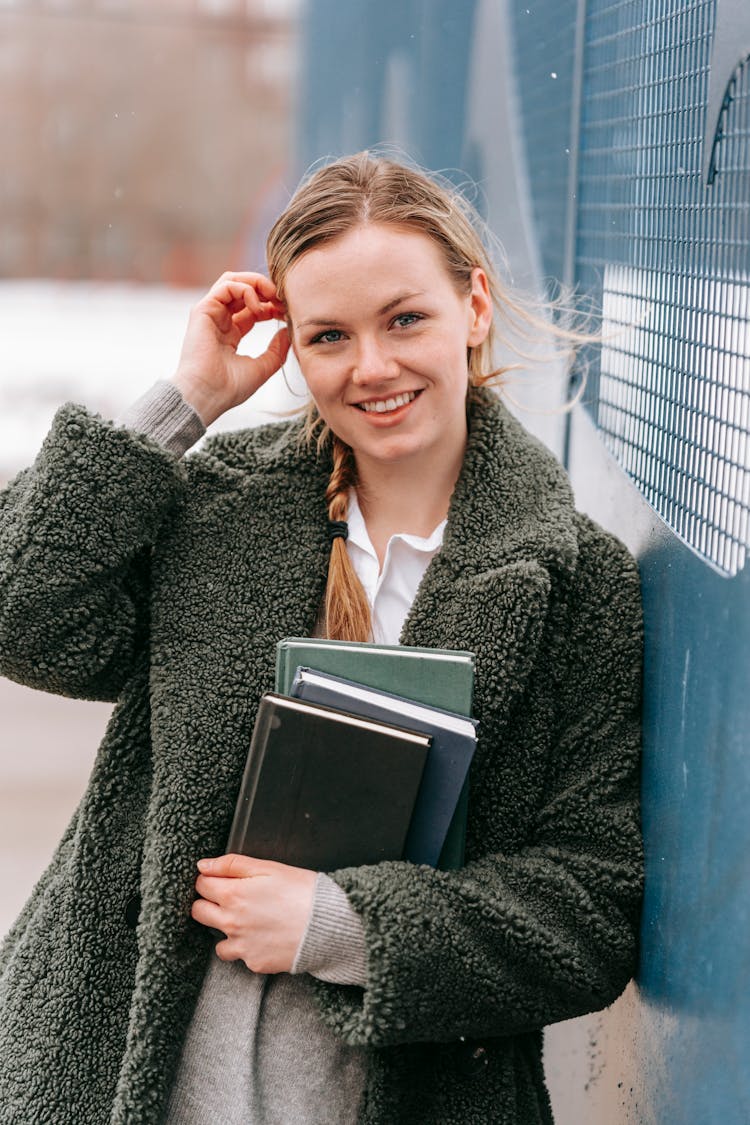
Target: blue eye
x=404, y=320
x=330, y=336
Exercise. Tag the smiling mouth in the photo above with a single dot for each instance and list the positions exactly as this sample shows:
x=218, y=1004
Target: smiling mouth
x=386, y=405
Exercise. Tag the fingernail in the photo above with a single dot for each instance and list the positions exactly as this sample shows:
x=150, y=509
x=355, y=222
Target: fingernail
x=204, y=864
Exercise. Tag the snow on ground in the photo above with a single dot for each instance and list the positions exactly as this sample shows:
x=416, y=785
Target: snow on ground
x=101, y=344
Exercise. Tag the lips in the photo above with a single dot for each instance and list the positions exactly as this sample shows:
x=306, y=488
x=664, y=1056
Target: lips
x=387, y=405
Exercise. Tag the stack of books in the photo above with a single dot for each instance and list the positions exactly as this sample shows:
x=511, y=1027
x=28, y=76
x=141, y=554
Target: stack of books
x=361, y=754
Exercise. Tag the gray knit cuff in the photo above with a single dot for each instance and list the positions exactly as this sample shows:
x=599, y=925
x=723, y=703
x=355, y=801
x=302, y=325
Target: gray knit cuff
x=164, y=415
x=333, y=944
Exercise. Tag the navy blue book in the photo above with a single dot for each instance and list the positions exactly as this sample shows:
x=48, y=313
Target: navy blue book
x=453, y=745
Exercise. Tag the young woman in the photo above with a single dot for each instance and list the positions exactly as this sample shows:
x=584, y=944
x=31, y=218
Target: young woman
x=380, y=994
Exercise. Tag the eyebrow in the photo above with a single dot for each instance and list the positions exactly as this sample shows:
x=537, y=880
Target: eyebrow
x=323, y=323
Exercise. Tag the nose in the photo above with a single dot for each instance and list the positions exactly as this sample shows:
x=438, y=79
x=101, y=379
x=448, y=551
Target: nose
x=373, y=362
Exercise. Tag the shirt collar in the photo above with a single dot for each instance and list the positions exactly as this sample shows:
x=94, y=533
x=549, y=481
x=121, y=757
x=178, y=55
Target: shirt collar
x=359, y=537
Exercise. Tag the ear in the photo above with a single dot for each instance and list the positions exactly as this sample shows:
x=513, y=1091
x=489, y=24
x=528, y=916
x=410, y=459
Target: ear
x=480, y=306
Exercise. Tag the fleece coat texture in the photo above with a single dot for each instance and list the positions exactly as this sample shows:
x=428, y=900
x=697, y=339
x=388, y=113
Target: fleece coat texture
x=128, y=575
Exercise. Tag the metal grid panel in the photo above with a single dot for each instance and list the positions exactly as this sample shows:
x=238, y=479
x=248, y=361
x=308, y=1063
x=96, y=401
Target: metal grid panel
x=669, y=258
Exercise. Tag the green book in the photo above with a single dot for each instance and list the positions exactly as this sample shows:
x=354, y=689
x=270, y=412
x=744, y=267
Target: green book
x=437, y=677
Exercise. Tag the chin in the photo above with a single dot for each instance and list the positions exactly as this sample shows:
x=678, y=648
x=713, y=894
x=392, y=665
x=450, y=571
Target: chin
x=391, y=452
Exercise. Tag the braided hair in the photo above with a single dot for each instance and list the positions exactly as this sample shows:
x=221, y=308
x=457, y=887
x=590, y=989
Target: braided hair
x=347, y=611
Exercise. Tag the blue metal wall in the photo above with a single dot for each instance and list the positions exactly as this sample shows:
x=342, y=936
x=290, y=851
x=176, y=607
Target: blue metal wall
x=395, y=72
x=662, y=241
x=612, y=142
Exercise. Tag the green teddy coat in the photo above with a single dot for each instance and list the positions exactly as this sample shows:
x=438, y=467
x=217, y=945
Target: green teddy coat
x=128, y=575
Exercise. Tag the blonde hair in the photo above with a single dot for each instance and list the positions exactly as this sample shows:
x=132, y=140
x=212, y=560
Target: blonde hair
x=366, y=189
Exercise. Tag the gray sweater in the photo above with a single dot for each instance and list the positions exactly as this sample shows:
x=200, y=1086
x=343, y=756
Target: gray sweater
x=256, y=1052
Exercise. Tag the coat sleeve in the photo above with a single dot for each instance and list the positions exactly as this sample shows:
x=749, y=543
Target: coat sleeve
x=513, y=942
x=75, y=536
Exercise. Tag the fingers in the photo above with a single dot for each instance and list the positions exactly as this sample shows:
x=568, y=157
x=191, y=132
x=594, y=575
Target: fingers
x=228, y=951
x=259, y=281
x=254, y=371
x=274, y=355
x=208, y=914
x=252, y=291
x=239, y=301
x=244, y=318
x=233, y=866
x=217, y=873
x=224, y=889
x=261, y=906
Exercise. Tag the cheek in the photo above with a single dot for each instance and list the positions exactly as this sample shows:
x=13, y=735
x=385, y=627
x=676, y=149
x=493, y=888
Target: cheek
x=323, y=392
x=321, y=374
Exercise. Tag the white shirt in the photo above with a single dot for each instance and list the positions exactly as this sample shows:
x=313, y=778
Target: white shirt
x=391, y=591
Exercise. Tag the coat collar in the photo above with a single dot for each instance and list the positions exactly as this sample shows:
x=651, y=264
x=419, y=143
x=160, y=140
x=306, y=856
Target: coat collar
x=510, y=530
x=512, y=500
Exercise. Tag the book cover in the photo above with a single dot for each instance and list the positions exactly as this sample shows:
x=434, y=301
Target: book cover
x=436, y=677
x=453, y=744
x=323, y=789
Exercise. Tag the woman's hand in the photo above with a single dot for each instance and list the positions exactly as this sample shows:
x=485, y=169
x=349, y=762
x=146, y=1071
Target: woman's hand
x=210, y=374
x=261, y=906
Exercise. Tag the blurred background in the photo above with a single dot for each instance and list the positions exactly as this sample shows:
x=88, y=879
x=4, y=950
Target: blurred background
x=145, y=144
x=146, y=147
x=142, y=138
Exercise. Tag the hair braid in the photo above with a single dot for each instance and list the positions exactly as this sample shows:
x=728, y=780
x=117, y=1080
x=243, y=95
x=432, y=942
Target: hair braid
x=347, y=609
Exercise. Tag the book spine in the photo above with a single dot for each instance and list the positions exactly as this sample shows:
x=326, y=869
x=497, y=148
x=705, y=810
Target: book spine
x=243, y=811
x=452, y=852
x=281, y=667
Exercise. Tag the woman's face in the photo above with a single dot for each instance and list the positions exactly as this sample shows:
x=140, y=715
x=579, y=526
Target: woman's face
x=381, y=334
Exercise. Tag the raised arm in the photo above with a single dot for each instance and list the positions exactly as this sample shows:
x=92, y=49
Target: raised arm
x=516, y=940
x=76, y=529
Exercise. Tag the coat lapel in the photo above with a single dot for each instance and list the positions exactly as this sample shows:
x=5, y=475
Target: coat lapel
x=510, y=527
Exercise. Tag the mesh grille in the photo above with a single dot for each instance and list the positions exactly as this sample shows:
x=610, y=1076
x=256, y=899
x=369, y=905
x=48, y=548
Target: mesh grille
x=669, y=260
x=665, y=257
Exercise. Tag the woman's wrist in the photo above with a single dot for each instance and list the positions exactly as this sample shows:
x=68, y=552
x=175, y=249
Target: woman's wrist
x=164, y=415
x=332, y=947
x=202, y=399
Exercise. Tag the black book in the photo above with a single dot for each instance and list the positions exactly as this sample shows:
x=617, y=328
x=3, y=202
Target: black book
x=324, y=789
x=454, y=740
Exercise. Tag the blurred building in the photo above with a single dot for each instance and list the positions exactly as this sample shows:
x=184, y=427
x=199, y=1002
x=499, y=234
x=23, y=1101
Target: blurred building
x=140, y=138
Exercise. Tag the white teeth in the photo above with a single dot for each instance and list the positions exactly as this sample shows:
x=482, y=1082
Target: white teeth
x=382, y=406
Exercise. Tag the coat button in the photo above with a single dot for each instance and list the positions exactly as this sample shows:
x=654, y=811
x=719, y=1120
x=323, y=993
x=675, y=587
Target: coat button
x=473, y=1060
x=133, y=911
